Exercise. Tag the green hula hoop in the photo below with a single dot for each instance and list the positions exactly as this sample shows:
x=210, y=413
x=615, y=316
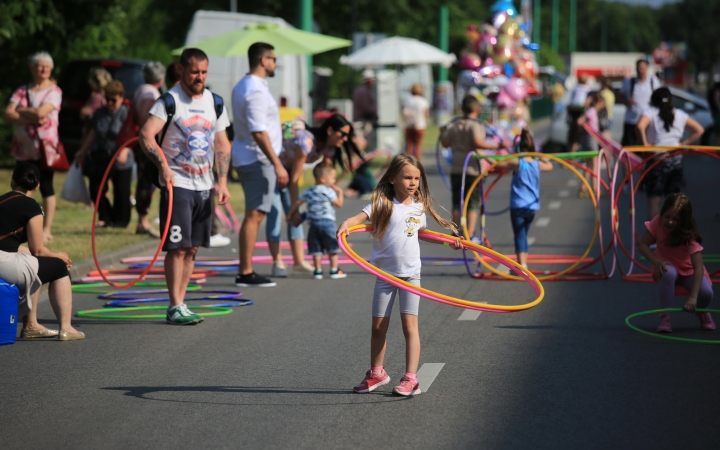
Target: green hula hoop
x=102, y=288
x=662, y=336
x=99, y=313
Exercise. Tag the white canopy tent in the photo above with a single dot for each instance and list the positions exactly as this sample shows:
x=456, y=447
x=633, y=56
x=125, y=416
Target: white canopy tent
x=398, y=51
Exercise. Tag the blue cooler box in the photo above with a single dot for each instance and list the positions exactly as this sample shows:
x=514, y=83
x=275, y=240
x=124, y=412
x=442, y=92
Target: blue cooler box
x=9, y=295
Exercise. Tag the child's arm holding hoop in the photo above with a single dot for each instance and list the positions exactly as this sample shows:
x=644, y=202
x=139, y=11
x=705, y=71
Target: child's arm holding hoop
x=698, y=274
x=351, y=222
x=658, y=265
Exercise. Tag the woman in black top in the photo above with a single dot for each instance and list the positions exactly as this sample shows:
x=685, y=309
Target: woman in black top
x=21, y=221
x=95, y=153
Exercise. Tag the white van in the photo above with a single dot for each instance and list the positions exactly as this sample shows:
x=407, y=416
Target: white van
x=288, y=86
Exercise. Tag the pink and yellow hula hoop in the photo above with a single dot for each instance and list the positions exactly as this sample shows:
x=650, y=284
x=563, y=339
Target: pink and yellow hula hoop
x=441, y=298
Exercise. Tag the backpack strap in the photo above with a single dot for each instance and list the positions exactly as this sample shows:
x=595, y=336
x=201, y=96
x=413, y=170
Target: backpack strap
x=219, y=105
x=169, y=102
x=12, y=233
x=633, y=80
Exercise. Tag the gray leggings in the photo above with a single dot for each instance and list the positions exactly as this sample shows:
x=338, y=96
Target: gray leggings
x=384, y=297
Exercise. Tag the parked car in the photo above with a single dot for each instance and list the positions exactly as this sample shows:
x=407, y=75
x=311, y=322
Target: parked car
x=76, y=90
x=696, y=107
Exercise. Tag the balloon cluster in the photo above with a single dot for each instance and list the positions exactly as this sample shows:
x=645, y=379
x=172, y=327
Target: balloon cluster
x=499, y=58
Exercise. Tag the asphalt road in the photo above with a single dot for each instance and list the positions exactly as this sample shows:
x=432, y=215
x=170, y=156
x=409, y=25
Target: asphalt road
x=567, y=374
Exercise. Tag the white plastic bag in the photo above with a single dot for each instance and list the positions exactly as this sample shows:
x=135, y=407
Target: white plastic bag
x=75, y=190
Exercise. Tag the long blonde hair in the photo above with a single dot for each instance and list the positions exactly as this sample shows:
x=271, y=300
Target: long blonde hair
x=384, y=193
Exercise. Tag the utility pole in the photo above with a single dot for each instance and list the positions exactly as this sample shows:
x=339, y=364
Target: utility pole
x=555, y=38
x=629, y=32
x=573, y=25
x=536, y=21
x=443, y=40
x=233, y=5
x=306, y=17
x=603, y=32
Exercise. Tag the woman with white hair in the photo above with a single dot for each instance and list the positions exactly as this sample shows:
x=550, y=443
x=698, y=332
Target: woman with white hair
x=33, y=109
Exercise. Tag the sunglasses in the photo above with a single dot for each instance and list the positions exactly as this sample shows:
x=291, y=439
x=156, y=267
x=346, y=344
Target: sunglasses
x=344, y=134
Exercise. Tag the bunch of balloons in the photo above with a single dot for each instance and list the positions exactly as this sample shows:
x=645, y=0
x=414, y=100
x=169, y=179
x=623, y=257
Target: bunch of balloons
x=500, y=57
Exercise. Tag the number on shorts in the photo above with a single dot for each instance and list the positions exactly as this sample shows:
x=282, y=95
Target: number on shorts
x=175, y=235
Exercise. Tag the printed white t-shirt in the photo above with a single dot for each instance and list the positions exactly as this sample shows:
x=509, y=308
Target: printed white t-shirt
x=397, y=252
x=189, y=142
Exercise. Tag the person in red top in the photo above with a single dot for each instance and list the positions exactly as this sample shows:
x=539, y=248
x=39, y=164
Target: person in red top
x=677, y=260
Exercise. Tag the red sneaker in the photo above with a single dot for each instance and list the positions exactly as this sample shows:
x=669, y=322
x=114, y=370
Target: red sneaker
x=706, y=321
x=665, y=324
x=372, y=381
x=407, y=387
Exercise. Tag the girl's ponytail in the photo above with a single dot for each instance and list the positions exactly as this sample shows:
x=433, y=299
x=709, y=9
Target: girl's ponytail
x=662, y=99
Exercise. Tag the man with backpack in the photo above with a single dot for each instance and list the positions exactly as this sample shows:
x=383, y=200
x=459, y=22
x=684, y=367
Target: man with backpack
x=637, y=91
x=191, y=123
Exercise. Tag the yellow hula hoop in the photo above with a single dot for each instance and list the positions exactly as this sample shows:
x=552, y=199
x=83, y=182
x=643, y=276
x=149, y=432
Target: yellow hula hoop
x=466, y=233
x=431, y=295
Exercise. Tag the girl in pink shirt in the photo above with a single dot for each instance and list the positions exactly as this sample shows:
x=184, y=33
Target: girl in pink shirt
x=677, y=260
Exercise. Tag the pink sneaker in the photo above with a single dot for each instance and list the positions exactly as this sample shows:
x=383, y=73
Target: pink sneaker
x=372, y=381
x=706, y=321
x=665, y=324
x=407, y=387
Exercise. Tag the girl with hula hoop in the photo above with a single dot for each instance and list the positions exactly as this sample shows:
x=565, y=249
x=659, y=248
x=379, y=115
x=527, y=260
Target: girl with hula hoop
x=524, y=192
x=677, y=260
x=397, y=213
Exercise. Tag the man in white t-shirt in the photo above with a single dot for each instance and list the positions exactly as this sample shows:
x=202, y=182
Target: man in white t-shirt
x=637, y=92
x=144, y=99
x=255, y=153
x=193, y=139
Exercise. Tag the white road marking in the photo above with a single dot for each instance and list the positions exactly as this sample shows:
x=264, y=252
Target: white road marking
x=543, y=222
x=427, y=374
x=564, y=193
x=573, y=182
x=469, y=314
x=555, y=204
x=531, y=240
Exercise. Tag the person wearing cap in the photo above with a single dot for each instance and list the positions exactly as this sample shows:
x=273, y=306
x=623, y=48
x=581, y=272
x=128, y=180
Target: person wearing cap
x=365, y=104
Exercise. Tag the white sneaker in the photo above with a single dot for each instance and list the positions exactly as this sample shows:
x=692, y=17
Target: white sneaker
x=279, y=270
x=303, y=268
x=219, y=240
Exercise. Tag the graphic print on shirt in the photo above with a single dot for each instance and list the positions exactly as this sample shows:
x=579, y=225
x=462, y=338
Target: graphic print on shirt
x=412, y=225
x=196, y=146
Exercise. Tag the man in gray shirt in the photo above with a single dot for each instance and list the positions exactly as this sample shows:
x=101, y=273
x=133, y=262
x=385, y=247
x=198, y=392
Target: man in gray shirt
x=637, y=92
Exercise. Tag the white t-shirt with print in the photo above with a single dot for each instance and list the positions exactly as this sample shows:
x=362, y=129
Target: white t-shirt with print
x=189, y=142
x=397, y=252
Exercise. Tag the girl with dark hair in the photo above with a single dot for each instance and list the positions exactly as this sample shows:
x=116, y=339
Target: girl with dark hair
x=302, y=145
x=397, y=214
x=594, y=105
x=524, y=192
x=21, y=221
x=663, y=125
x=677, y=260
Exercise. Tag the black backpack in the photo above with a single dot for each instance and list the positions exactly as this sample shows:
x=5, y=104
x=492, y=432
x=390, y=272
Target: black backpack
x=169, y=102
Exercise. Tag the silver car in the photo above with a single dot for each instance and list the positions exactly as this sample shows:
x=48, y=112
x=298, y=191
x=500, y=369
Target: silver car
x=696, y=107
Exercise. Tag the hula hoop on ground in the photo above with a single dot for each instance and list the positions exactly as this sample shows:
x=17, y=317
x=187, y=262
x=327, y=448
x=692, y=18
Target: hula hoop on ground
x=194, y=278
x=220, y=294
x=102, y=288
x=129, y=143
x=573, y=268
x=635, y=186
x=102, y=313
x=666, y=337
x=448, y=300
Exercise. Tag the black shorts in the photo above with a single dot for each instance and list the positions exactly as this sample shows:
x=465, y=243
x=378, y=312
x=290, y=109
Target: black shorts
x=191, y=218
x=51, y=269
x=661, y=181
x=456, y=182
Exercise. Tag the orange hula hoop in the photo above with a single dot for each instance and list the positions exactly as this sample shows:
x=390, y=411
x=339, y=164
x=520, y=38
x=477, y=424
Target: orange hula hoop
x=147, y=270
